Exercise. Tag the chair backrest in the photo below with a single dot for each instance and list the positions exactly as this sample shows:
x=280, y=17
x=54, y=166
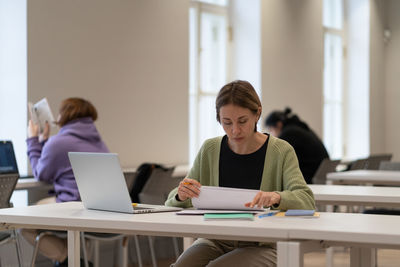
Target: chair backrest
x=359, y=164
x=7, y=186
x=370, y=163
x=158, y=186
x=389, y=166
x=325, y=167
x=375, y=160
x=130, y=179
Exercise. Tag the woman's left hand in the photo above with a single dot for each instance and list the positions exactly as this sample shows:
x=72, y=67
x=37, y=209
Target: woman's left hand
x=264, y=199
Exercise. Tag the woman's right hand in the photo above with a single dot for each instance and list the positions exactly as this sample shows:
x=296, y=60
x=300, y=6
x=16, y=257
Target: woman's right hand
x=33, y=129
x=188, y=188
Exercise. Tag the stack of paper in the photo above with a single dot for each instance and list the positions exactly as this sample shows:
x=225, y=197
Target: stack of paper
x=225, y=198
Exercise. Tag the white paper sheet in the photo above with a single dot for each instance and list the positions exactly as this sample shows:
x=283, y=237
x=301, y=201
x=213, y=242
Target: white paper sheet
x=224, y=198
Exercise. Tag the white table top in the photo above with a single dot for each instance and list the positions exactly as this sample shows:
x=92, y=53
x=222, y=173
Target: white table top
x=356, y=195
x=365, y=176
x=339, y=227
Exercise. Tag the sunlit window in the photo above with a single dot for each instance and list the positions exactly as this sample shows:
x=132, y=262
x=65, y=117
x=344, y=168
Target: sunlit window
x=333, y=77
x=13, y=83
x=208, y=69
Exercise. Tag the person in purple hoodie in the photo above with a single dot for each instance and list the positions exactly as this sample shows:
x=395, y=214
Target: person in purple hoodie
x=50, y=163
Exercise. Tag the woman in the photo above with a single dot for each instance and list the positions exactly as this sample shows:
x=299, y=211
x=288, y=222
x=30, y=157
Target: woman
x=243, y=158
x=308, y=147
x=50, y=163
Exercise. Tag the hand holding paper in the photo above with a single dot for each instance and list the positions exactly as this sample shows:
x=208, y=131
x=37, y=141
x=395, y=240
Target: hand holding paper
x=188, y=188
x=264, y=199
x=225, y=198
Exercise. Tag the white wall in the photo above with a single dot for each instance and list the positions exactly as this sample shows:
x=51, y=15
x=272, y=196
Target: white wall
x=392, y=94
x=130, y=58
x=292, y=58
x=377, y=72
x=246, y=47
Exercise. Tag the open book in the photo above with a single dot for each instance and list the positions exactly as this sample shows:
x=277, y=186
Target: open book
x=40, y=113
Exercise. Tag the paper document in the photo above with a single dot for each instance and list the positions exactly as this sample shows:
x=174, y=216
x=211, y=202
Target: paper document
x=224, y=198
x=202, y=211
x=40, y=113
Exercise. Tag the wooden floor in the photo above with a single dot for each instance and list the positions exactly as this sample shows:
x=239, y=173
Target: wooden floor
x=386, y=258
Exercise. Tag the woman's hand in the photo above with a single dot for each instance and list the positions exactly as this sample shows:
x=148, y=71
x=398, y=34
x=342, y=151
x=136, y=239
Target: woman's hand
x=264, y=199
x=33, y=129
x=188, y=188
x=45, y=134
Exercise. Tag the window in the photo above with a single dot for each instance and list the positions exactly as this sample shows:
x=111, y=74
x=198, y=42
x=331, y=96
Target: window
x=13, y=82
x=346, y=78
x=334, y=62
x=208, y=28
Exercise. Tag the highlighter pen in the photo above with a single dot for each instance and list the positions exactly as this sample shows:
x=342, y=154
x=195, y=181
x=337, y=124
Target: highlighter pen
x=269, y=214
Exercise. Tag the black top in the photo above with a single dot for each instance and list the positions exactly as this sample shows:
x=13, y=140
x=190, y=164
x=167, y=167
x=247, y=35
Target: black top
x=241, y=171
x=309, y=149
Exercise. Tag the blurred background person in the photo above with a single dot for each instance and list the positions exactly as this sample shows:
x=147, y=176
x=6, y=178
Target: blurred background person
x=308, y=146
x=48, y=157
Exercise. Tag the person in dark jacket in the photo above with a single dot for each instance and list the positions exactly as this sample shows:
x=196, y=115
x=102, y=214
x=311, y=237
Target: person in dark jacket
x=309, y=148
x=49, y=161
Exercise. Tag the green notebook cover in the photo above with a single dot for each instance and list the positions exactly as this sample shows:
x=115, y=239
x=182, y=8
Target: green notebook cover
x=229, y=216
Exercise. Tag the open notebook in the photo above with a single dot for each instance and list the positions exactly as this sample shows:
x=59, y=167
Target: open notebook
x=102, y=186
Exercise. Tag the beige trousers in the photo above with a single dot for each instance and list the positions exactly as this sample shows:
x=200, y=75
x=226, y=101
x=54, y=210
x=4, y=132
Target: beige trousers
x=212, y=253
x=51, y=246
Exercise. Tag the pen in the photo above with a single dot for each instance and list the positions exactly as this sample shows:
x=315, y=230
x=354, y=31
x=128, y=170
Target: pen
x=266, y=214
x=186, y=183
x=134, y=204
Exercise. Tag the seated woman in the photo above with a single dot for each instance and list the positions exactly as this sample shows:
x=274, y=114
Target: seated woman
x=50, y=163
x=243, y=158
x=308, y=147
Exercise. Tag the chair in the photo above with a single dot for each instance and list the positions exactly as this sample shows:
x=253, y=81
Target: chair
x=156, y=191
x=389, y=166
x=373, y=161
x=370, y=163
x=7, y=185
x=324, y=168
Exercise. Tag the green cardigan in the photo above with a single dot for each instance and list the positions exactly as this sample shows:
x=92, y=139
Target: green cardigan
x=281, y=174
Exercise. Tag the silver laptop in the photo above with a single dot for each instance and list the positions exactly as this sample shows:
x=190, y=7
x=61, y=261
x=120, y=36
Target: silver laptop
x=102, y=186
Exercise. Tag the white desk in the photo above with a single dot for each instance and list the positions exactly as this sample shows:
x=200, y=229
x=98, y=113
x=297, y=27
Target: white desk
x=364, y=177
x=293, y=235
x=356, y=195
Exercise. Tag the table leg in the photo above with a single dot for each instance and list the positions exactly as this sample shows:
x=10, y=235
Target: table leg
x=73, y=249
x=290, y=254
x=360, y=257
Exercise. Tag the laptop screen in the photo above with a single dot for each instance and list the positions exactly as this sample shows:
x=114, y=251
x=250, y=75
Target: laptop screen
x=8, y=163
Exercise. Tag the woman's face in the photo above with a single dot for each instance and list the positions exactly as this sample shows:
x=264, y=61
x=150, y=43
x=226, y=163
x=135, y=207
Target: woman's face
x=238, y=123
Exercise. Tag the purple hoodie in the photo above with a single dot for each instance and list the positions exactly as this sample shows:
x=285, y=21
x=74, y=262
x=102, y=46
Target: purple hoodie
x=50, y=161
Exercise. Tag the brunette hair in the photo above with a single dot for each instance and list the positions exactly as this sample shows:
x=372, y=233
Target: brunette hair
x=74, y=108
x=239, y=93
